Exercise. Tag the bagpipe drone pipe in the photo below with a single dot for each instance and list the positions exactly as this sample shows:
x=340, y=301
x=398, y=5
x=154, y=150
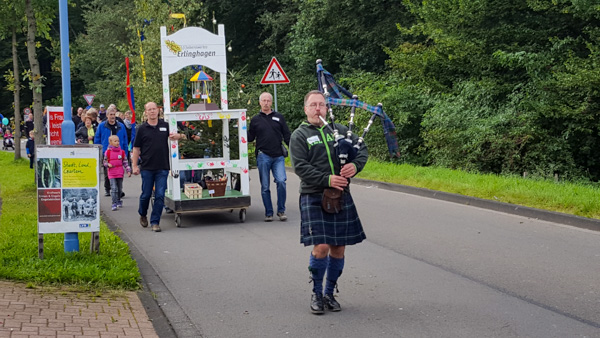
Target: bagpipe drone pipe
x=345, y=147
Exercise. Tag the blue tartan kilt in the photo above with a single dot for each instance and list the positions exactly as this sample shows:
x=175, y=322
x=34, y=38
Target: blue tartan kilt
x=319, y=227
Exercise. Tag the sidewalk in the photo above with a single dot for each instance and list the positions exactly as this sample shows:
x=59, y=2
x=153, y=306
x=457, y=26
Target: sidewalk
x=56, y=312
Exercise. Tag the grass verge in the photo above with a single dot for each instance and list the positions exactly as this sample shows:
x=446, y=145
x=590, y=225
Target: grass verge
x=112, y=268
x=570, y=198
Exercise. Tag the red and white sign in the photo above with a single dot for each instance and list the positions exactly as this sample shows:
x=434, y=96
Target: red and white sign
x=89, y=98
x=27, y=111
x=55, y=120
x=274, y=74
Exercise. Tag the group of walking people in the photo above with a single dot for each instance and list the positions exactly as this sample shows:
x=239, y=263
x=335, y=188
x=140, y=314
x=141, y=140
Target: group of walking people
x=311, y=146
x=112, y=130
x=313, y=159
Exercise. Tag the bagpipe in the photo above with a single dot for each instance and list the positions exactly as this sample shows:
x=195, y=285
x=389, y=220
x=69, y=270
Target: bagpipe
x=345, y=147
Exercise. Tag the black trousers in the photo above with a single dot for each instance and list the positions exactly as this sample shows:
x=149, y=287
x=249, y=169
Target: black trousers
x=106, y=181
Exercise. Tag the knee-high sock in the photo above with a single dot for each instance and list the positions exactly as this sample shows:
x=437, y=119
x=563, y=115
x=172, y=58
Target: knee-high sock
x=317, y=268
x=334, y=270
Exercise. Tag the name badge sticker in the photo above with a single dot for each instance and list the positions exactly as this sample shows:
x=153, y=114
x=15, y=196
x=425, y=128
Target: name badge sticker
x=162, y=129
x=275, y=118
x=312, y=140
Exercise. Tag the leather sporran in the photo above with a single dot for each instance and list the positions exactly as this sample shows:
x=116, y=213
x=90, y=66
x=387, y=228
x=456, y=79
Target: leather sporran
x=332, y=200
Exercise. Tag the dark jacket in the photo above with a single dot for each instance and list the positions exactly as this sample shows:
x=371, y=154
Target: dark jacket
x=82, y=134
x=269, y=131
x=30, y=146
x=313, y=156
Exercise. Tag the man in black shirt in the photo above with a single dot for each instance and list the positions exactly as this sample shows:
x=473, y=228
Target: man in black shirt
x=152, y=144
x=77, y=117
x=269, y=129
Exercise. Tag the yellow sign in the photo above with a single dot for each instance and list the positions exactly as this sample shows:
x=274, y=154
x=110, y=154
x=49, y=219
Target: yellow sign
x=79, y=172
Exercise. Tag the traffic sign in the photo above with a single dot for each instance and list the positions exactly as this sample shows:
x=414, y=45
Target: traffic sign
x=274, y=74
x=89, y=98
x=27, y=111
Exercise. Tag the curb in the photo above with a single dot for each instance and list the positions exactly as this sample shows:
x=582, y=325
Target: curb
x=544, y=215
x=155, y=290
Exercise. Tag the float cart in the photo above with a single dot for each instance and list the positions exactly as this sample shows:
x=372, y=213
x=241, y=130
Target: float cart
x=197, y=46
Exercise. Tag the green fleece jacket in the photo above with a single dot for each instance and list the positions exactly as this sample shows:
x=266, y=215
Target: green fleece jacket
x=313, y=156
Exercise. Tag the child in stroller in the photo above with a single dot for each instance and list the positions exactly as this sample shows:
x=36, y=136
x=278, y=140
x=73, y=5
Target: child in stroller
x=8, y=140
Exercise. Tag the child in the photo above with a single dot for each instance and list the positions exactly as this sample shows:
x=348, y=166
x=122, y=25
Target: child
x=8, y=139
x=115, y=160
x=30, y=147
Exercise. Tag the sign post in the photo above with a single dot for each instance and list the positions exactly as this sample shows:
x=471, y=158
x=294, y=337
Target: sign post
x=274, y=75
x=89, y=98
x=68, y=191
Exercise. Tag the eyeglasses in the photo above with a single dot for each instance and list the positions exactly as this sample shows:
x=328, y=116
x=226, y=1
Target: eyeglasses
x=315, y=105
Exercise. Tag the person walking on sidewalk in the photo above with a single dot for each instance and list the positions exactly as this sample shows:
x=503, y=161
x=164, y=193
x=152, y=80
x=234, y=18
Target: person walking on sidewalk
x=115, y=162
x=269, y=130
x=314, y=161
x=105, y=129
x=152, y=145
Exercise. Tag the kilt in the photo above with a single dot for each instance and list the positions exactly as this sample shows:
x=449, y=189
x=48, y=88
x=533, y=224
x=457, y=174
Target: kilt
x=319, y=227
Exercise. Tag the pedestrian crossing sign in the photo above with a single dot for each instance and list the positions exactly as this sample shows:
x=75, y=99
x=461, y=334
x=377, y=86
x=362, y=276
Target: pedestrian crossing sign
x=274, y=74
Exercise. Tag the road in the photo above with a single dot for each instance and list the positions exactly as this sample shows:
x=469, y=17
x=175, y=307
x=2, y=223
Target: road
x=428, y=268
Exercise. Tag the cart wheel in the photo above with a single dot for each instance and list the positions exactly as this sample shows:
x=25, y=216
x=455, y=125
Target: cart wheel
x=242, y=215
x=178, y=220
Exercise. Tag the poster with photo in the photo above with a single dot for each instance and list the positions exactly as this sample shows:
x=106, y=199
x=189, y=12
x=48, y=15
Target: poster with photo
x=68, y=182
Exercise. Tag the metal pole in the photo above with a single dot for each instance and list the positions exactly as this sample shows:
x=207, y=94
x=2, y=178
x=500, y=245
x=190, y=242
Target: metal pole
x=68, y=127
x=275, y=96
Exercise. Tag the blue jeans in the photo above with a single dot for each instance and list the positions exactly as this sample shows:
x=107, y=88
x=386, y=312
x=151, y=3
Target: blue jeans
x=116, y=188
x=266, y=164
x=158, y=180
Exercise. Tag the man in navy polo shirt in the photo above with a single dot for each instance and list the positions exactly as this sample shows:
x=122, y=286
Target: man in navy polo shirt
x=152, y=145
x=269, y=129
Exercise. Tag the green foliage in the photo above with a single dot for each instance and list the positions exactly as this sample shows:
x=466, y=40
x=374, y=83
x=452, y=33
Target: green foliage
x=484, y=85
x=112, y=34
x=403, y=102
x=581, y=199
x=345, y=33
x=509, y=85
x=111, y=268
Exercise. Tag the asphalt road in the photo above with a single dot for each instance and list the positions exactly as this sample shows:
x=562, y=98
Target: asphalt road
x=429, y=268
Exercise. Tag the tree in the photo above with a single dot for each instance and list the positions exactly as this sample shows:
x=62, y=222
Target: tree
x=111, y=34
x=38, y=22
x=508, y=82
x=17, y=91
x=345, y=34
x=11, y=10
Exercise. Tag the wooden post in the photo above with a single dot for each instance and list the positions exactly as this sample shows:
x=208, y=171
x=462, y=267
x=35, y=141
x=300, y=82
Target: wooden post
x=95, y=242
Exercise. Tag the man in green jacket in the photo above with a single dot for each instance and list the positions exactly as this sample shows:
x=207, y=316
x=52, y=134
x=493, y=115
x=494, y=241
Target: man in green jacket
x=315, y=162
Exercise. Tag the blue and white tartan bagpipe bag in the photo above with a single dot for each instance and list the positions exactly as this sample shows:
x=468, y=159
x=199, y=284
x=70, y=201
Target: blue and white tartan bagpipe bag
x=345, y=148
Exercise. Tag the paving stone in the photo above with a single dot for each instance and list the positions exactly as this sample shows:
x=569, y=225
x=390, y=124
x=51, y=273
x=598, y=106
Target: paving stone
x=58, y=313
